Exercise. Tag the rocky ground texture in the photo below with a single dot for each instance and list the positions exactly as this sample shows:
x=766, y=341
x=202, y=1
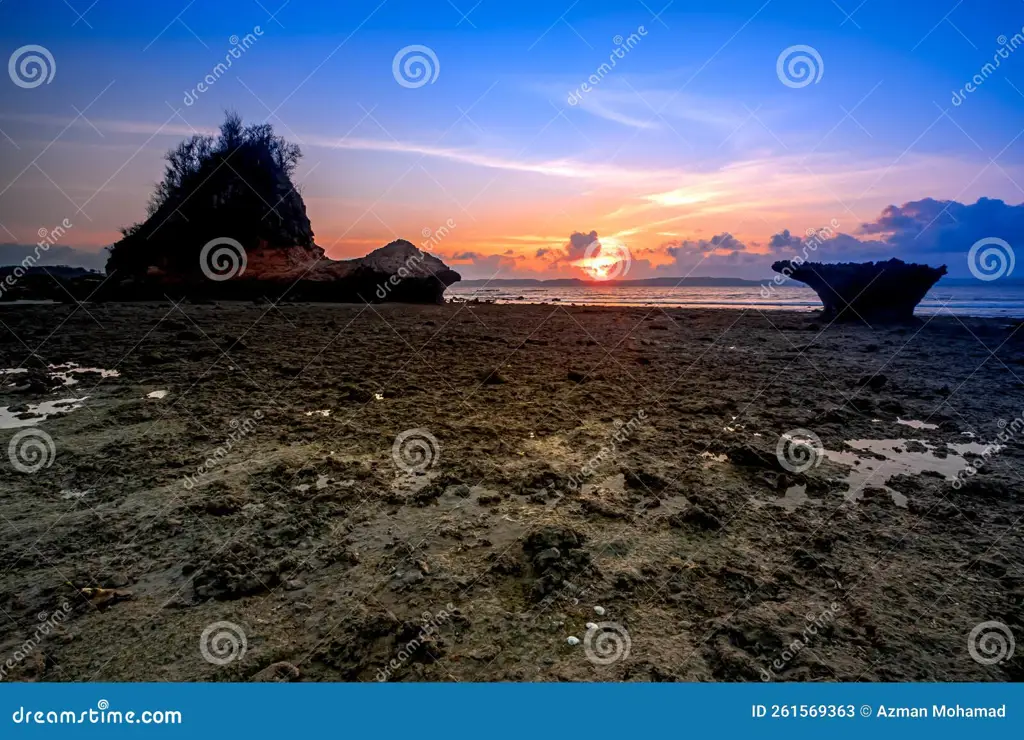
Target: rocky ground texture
x=451, y=492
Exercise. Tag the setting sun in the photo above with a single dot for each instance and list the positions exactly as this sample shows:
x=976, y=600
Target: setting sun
x=605, y=259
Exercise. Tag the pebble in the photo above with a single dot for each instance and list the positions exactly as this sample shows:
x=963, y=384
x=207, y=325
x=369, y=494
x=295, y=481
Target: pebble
x=591, y=626
x=599, y=611
x=573, y=641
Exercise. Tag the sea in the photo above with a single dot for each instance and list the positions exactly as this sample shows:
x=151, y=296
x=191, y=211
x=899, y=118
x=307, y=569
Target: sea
x=992, y=300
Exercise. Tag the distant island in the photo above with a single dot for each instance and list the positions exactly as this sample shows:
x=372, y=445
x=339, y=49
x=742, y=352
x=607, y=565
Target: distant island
x=658, y=282
x=683, y=282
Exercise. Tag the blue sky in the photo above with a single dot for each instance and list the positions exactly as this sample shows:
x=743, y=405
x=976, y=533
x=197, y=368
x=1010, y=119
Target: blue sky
x=690, y=137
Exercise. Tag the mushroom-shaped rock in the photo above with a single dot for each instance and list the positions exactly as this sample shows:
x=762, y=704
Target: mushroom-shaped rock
x=868, y=291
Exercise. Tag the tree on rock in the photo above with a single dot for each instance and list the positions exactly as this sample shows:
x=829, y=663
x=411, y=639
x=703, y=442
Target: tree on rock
x=236, y=185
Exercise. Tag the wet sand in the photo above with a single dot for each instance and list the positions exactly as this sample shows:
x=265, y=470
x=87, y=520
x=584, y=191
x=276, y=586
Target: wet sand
x=452, y=492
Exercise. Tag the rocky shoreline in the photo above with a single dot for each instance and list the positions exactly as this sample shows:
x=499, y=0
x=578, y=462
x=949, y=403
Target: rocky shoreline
x=451, y=492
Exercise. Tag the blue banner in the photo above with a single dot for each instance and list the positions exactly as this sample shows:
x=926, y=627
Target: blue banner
x=451, y=711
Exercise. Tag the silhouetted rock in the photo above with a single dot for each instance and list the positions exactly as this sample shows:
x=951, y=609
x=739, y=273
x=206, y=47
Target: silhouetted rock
x=872, y=291
x=228, y=223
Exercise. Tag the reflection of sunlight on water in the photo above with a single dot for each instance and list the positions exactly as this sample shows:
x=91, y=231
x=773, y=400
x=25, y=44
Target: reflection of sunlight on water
x=916, y=424
x=795, y=497
x=871, y=472
x=34, y=413
x=999, y=301
x=68, y=370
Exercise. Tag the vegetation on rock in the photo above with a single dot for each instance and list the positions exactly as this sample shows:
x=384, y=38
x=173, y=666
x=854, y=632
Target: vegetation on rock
x=235, y=185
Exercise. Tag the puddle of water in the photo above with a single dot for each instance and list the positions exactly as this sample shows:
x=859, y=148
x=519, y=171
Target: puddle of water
x=68, y=370
x=873, y=472
x=916, y=424
x=795, y=497
x=37, y=412
x=157, y=394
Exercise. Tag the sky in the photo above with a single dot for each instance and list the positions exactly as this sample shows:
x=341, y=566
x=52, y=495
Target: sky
x=700, y=152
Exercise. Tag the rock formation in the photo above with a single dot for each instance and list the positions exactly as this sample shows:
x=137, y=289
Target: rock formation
x=871, y=291
x=227, y=223
x=396, y=272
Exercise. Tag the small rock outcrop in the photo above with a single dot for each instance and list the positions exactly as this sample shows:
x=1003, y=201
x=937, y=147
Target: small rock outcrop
x=868, y=291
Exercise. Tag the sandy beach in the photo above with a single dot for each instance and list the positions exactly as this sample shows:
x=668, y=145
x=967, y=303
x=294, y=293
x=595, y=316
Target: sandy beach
x=452, y=492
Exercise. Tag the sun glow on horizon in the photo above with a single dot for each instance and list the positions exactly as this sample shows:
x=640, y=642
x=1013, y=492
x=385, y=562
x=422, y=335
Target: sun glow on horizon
x=605, y=259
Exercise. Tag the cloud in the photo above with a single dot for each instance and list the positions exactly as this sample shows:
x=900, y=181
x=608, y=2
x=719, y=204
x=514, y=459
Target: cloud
x=947, y=226
x=926, y=230
x=784, y=241
x=578, y=243
x=723, y=243
x=477, y=265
